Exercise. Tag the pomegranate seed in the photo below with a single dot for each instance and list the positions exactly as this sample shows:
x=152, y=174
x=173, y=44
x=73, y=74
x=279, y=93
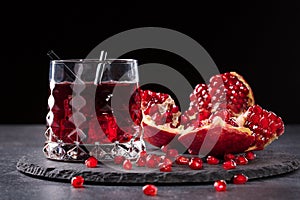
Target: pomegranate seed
x=91, y=162
x=229, y=156
x=220, y=185
x=119, y=160
x=195, y=163
x=212, y=160
x=152, y=161
x=250, y=155
x=150, y=190
x=164, y=148
x=165, y=167
x=77, y=181
x=182, y=160
x=231, y=164
x=167, y=161
x=127, y=164
x=240, y=179
x=141, y=162
x=143, y=154
x=172, y=153
x=241, y=160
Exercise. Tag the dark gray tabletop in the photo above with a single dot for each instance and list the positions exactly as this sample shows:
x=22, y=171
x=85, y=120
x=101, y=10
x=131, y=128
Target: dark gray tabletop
x=19, y=140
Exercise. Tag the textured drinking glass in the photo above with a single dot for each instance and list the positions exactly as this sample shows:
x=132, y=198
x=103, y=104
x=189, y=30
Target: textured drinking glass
x=93, y=110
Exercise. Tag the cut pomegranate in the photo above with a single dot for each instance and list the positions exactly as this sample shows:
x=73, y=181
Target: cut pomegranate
x=196, y=163
x=91, y=162
x=150, y=190
x=182, y=160
x=241, y=160
x=220, y=185
x=127, y=164
x=240, y=179
x=250, y=155
x=77, y=181
x=222, y=119
x=212, y=160
x=231, y=164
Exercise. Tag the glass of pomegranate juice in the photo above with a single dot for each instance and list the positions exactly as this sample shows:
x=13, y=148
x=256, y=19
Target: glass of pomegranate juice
x=93, y=110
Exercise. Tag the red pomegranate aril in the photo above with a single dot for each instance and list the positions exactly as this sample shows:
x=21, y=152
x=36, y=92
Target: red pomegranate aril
x=150, y=190
x=250, y=155
x=141, y=162
x=196, y=163
x=143, y=154
x=220, y=185
x=164, y=148
x=91, y=162
x=231, y=164
x=241, y=160
x=165, y=167
x=167, y=161
x=212, y=160
x=118, y=160
x=172, y=153
x=127, y=164
x=240, y=179
x=77, y=181
x=152, y=161
x=182, y=160
x=229, y=156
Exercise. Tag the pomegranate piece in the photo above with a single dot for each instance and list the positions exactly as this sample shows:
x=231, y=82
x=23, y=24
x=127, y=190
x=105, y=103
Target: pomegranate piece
x=127, y=164
x=77, y=181
x=196, y=163
x=250, y=155
x=266, y=126
x=91, y=162
x=227, y=165
x=239, y=179
x=220, y=185
x=150, y=190
x=241, y=160
x=118, y=160
x=212, y=160
x=182, y=160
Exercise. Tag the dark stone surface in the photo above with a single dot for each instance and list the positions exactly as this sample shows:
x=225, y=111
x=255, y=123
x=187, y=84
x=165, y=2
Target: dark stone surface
x=267, y=163
x=17, y=141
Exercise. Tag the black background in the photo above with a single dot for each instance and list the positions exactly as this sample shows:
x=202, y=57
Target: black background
x=259, y=40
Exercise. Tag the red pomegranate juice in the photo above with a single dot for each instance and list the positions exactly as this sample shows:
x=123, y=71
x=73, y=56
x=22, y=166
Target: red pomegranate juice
x=90, y=113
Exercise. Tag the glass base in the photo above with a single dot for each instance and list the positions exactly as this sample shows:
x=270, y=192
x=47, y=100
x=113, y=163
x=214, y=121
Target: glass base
x=103, y=152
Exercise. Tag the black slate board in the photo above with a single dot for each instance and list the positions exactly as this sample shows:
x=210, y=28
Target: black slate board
x=266, y=164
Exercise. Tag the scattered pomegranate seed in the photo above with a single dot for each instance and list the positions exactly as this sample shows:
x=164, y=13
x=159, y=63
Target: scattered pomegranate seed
x=240, y=179
x=167, y=161
x=152, y=161
x=150, y=190
x=220, y=185
x=229, y=156
x=127, y=164
x=195, y=163
x=172, y=153
x=141, y=162
x=77, y=181
x=250, y=155
x=91, y=162
x=119, y=160
x=164, y=148
x=212, y=160
x=165, y=168
x=241, y=160
x=182, y=160
x=143, y=154
x=231, y=164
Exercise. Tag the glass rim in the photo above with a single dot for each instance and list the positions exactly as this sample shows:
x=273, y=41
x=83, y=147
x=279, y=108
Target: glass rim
x=93, y=60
